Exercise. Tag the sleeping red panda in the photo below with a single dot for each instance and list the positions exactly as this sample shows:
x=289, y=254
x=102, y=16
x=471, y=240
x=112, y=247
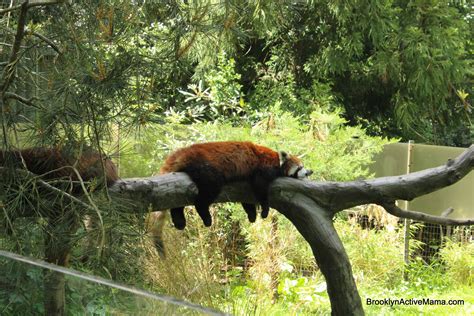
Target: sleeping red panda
x=212, y=165
x=55, y=163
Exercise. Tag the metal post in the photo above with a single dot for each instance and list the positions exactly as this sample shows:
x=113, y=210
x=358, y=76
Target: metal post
x=407, y=222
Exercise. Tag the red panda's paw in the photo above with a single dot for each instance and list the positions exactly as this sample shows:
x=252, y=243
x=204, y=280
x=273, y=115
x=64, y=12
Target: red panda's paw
x=179, y=226
x=203, y=211
x=206, y=219
x=265, y=210
x=251, y=211
x=177, y=217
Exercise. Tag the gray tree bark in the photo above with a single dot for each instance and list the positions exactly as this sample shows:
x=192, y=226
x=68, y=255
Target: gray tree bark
x=311, y=205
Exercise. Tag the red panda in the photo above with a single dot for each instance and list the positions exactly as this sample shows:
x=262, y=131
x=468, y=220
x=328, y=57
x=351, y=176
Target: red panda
x=212, y=165
x=56, y=163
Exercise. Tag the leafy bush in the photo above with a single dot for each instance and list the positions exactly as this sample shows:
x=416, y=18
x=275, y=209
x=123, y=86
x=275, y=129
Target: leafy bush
x=277, y=88
x=222, y=100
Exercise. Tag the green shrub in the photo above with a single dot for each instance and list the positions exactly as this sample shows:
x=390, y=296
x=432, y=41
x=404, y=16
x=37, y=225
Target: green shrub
x=376, y=256
x=222, y=100
x=459, y=260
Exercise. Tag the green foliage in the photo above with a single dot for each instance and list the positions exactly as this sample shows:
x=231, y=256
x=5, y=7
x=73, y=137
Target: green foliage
x=394, y=64
x=21, y=291
x=225, y=90
x=299, y=290
x=380, y=260
x=223, y=100
x=275, y=89
x=459, y=260
x=278, y=89
x=388, y=63
x=426, y=278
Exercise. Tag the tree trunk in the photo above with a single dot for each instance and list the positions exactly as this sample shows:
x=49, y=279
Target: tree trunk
x=315, y=225
x=57, y=245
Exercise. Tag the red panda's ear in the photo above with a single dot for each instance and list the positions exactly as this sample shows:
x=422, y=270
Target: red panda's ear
x=283, y=156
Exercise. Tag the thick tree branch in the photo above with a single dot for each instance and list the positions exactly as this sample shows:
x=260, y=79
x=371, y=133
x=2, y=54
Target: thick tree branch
x=423, y=217
x=406, y=187
x=316, y=226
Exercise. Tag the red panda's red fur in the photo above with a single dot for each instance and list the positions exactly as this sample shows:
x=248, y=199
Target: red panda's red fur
x=57, y=163
x=233, y=159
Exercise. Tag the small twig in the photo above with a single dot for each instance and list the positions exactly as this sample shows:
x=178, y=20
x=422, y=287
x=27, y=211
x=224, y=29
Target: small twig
x=49, y=187
x=10, y=224
x=447, y=211
x=11, y=95
x=3, y=11
x=418, y=216
x=47, y=40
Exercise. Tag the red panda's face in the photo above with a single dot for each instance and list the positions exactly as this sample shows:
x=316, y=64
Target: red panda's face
x=293, y=167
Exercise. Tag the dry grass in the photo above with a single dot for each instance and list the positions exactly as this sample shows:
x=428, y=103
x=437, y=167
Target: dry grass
x=192, y=268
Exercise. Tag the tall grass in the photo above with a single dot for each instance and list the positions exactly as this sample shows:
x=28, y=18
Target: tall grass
x=459, y=260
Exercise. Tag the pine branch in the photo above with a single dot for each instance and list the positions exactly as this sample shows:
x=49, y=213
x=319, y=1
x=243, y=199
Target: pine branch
x=29, y=102
x=51, y=188
x=47, y=41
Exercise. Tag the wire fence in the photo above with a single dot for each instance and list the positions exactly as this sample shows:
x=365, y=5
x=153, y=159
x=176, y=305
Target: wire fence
x=403, y=158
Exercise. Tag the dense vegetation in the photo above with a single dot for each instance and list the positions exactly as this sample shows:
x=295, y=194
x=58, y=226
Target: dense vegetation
x=399, y=68
x=330, y=81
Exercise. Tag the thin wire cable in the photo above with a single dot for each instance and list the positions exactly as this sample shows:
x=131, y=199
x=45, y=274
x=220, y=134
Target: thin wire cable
x=113, y=284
